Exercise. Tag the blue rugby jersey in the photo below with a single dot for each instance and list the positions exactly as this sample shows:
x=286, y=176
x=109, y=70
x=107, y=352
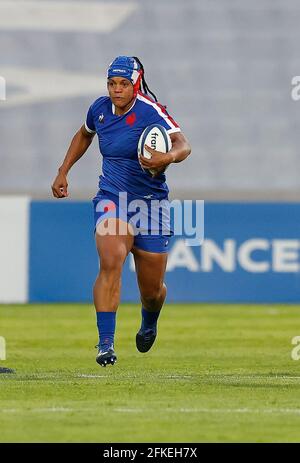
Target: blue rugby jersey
x=118, y=140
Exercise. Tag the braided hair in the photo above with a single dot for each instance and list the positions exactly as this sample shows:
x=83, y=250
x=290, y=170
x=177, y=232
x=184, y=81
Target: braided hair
x=144, y=84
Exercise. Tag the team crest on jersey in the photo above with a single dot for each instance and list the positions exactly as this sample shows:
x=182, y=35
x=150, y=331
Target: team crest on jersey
x=130, y=120
x=101, y=118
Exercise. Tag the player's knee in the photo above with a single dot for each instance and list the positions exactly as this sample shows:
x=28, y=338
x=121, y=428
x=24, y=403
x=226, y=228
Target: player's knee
x=112, y=262
x=153, y=295
x=111, y=266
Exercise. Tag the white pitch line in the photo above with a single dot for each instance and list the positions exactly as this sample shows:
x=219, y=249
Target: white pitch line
x=286, y=411
x=240, y=410
x=53, y=409
x=202, y=378
x=275, y=411
x=130, y=410
x=37, y=410
x=253, y=378
x=65, y=16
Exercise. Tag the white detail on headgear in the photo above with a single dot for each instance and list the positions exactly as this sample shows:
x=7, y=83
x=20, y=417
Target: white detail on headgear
x=134, y=76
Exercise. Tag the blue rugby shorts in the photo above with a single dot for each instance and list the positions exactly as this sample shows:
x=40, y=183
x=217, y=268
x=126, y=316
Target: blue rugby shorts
x=150, y=223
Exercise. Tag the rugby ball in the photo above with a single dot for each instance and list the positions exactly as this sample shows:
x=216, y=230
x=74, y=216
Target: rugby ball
x=157, y=137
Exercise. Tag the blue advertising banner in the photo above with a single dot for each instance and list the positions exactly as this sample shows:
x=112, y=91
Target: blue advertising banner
x=63, y=259
x=250, y=253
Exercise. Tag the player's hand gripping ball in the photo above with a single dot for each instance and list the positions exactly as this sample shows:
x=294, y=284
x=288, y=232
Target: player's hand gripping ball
x=157, y=139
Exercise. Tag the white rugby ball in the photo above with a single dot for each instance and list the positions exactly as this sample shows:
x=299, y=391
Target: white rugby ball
x=157, y=137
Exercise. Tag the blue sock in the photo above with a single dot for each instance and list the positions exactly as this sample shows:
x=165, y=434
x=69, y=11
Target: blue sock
x=106, y=323
x=149, y=319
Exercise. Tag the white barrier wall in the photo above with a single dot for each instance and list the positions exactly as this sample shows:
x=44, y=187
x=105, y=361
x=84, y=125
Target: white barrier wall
x=14, y=248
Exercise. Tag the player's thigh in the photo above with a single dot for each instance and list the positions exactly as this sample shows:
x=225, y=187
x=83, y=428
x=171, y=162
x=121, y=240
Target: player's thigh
x=114, y=240
x=150, y=270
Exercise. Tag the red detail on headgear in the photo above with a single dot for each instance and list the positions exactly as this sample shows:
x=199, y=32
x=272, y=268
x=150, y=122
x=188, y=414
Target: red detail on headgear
x=130, y=120
x=137, y=85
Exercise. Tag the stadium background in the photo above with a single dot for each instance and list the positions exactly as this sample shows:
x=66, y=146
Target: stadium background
x=225, y=70
x=218, y=372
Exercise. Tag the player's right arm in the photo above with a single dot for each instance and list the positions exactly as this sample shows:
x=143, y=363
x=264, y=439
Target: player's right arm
x=80, y=143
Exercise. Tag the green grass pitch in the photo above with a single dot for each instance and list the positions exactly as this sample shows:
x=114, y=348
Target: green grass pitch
x=217, y=373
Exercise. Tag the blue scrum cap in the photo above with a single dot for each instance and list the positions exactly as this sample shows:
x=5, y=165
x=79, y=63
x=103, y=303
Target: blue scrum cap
x=125, y=66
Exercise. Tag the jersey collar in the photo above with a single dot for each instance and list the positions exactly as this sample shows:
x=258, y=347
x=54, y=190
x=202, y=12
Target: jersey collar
x=113, y=108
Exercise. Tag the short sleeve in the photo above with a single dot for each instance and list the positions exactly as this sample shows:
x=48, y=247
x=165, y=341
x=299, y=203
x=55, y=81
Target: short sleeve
x=159, y=115
x=89, y=123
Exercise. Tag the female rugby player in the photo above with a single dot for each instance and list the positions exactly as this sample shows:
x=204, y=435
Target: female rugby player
x=119, y=119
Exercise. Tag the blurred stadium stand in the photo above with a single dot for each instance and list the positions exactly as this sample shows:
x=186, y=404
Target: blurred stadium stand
x=223, y=67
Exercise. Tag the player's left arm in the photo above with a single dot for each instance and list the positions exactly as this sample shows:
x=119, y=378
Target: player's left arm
x=180, y=150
